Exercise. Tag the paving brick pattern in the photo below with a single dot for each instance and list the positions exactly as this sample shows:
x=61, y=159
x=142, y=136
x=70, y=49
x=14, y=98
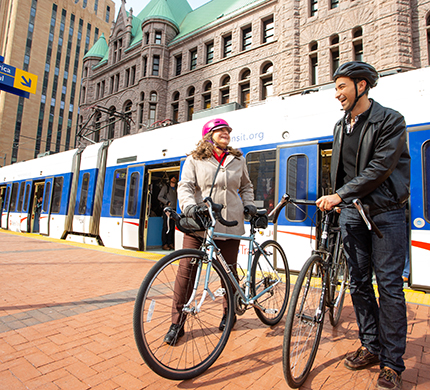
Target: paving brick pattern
x=66, y=323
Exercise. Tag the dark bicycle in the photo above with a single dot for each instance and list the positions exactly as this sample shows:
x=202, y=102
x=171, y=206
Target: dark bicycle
x=321, y=285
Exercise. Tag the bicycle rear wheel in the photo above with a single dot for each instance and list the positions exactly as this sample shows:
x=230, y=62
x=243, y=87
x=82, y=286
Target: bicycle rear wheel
x=339, y=278
x=270, y=268
x=305, y=319
x=202, y=342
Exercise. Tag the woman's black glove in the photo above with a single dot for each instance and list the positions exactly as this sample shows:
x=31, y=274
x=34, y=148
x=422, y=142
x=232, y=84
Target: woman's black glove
x=192, y=210
x=249, y=210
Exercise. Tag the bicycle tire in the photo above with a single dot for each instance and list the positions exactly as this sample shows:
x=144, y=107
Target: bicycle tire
x=302, y=335
x=339, y=277
x=203, y=342
x=274, y=301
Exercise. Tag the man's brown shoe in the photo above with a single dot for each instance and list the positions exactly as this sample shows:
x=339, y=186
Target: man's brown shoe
x=360, y=359
x=389, y=380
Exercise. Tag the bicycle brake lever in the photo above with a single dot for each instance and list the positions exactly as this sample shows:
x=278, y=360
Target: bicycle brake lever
x=367, y=220
x=359, y=206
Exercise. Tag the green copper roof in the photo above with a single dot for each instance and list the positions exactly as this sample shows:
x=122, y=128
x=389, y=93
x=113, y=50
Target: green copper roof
x=209, y=13
x=99, y=49
x=173, y=10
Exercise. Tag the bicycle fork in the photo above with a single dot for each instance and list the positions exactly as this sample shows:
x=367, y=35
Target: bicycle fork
x=188, y=307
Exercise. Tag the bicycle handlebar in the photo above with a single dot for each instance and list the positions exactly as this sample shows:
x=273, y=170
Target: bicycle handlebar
x=286, y=198
x=216, y=208
x=362, y=209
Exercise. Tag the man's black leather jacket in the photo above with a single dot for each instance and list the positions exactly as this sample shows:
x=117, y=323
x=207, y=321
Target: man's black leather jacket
x=382, y=162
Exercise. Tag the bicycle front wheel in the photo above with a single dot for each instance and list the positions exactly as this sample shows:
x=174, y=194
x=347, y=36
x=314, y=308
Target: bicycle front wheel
x=304, y=323
x=270, y=276
x=339, y=279
x=202, y=342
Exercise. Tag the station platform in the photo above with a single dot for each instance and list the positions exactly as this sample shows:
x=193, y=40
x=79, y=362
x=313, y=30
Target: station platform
x=66, y=323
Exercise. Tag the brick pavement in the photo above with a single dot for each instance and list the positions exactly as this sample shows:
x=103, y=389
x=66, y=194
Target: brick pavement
x=66, y=323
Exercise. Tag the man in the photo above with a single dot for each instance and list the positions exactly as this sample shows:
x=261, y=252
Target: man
x=370, y=161
x=167, y=197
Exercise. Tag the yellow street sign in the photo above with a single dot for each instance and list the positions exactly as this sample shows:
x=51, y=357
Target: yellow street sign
x=25, y=81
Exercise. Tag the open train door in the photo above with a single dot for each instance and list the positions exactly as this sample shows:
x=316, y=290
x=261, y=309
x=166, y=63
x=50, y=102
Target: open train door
x=419, y=211
x=132, y=206
x=297, y=173
x=46, y=207
x=5, y=208
x=26, y=209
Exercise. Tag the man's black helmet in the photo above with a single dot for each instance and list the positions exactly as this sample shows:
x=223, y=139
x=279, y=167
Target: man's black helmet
x=359, y=71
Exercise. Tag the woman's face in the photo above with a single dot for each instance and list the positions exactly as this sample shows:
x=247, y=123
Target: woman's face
x=221, y=137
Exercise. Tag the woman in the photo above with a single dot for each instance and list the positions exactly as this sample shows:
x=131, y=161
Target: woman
x=232, y=188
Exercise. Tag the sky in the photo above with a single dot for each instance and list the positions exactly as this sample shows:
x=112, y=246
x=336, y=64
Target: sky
x=139, y=5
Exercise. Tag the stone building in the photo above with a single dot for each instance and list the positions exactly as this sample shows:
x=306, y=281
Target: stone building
x=49, y=39
x=169, y=63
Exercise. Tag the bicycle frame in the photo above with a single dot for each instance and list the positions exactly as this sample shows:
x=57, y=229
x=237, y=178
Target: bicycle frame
x=210, y=248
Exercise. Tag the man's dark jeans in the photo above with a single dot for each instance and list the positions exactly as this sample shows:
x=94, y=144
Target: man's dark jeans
x=382, y=329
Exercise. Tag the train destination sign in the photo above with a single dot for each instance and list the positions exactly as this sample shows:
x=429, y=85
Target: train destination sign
x=17, y=78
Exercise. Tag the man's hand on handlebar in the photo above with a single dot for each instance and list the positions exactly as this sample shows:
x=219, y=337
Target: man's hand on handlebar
x=327, y=202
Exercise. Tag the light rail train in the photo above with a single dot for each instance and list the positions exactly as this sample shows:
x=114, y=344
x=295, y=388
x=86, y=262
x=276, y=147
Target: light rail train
x=106, y=194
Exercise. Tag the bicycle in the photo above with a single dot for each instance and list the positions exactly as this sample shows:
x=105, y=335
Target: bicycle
x=321, y=283
x=265, y=287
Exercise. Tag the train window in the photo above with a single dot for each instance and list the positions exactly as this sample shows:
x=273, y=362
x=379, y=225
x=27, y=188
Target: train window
x=84, y=193
x=21, y=197
x=426, y=176
x=132, y=194
x=6, y=199
x=27, y=195
x=297, y=182
x=47, y=196
x=56, y=196
x=13, y=196
x=118, y=190
x=261, y=168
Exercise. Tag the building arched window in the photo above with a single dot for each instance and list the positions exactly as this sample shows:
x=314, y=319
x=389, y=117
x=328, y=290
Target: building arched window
x=97, y=125
x=190, y=103
x=357, y=43
x=153, y=97
x=225, y=90
x=140, y=117
x=175, y=107
x=266, y=80
x=207, y=95
x=127, y=118
x=334, y=53
x=111, y=127
x=245, y=88
x=313, y=62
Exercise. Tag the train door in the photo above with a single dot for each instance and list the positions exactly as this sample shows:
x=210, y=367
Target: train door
x=46, y=207
x=5, y=201
x=157, y=178
x=132, y=206
x=25, y=210
x=419, y=210
x=35, y=207
x=297, y=173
